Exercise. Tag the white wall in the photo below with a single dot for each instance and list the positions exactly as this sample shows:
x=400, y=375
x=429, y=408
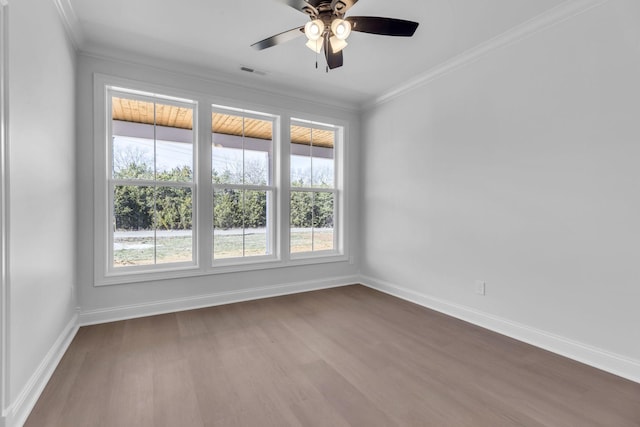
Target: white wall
x=114, y=301
x=520, y=168
x=42, y=211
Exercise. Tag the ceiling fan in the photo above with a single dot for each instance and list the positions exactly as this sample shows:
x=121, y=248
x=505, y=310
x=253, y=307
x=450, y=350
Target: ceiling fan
x=328, y=28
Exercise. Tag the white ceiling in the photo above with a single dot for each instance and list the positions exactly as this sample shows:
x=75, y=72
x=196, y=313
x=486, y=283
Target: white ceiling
x=216, y=35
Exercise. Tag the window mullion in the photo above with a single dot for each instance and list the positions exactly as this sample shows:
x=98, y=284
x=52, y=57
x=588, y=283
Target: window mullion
x=244, y=206
x=284, y=181
x=154, y=221
x=204, y=188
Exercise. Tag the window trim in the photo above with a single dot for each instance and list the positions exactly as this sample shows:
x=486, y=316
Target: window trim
x=202, y=158
x=338, y=191
x=112, y=182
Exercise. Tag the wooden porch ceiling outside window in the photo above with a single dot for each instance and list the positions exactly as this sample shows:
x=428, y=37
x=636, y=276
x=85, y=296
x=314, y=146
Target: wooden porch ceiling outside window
x=135, y=111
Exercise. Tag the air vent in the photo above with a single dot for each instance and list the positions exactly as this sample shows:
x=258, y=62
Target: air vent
x=253, y=71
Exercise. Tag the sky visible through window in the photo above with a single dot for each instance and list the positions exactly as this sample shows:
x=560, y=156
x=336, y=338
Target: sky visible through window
x=171, y=154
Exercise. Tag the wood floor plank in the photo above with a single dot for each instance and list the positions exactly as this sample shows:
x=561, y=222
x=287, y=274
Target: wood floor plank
x=86, y=404
x=318, y=413
x=346, y=399
x=339, y=357
x=48, y=410
x=131, y=391
x=174, y=397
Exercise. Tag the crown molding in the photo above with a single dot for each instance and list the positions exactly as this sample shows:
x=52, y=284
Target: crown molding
x=71, y=22
x=219, y=77
x=545, y=20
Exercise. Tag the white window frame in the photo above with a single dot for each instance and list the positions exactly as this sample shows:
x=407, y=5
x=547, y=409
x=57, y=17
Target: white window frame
x=113, y=182
x=203, y=192
x=337, y=191
x=271, y=189
x=111, y=270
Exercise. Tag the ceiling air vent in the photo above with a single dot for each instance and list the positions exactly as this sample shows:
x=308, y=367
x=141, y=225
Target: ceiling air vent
x=253, y=71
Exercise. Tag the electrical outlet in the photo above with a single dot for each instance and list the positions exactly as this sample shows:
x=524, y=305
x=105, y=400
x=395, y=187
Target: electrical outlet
x=351, y=260
x=481, y=287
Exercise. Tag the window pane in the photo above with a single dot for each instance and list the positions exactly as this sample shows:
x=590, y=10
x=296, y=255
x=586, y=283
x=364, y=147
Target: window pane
x=151, y=140
x=258, y=137
x=255, y=222
x=228, y=238
x=174, y=161
x=311, y=221
x=323, y=221
x=132, y=133
x=300, y=156
x=312, y=157
x=240, y=223
x=174, y=143
x=133, y=238
x=226, y=149
x=323, y=167
x=226, y=165
x=152, y=226
x=241, y=150
x=173, y=223
x=301, y=221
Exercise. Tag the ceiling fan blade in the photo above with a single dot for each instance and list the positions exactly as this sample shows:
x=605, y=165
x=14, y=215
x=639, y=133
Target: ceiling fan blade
x=383, y=26
x=334, y=59
x=302, y=6
x=341, y=6
x=279, y=38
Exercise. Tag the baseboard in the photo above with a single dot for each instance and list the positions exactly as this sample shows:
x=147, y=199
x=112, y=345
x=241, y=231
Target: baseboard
x=91, y=317
x=598, y=358
x=20, y=409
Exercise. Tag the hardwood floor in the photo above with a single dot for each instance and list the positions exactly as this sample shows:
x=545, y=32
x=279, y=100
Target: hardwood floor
x=348, y=356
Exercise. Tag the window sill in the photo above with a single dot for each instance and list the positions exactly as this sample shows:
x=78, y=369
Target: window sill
x=221, y=268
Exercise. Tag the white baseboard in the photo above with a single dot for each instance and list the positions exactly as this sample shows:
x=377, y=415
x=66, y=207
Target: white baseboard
x=91, y=317
x=598, y=358
x=17, y=413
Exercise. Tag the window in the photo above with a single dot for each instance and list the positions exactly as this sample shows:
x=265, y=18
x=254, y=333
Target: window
x=242, y=178
x=183, y=191
x=151, y=183
x=313, y=188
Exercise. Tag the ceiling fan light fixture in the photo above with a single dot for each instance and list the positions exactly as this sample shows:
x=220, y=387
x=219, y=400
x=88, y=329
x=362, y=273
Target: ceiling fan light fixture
x=327, y=29
x=337, y=44
x=314, y=29
x=315, y=45
x=341, y=28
